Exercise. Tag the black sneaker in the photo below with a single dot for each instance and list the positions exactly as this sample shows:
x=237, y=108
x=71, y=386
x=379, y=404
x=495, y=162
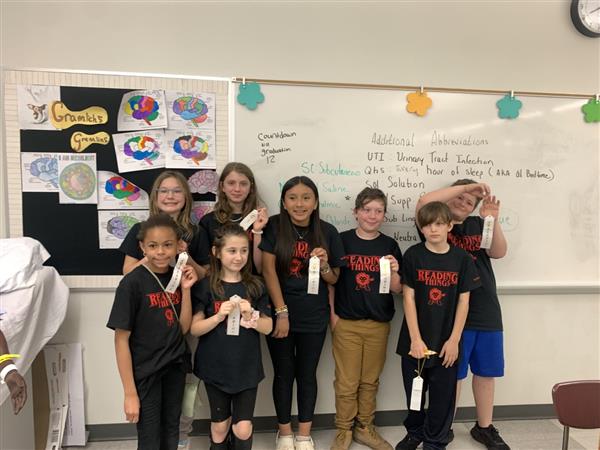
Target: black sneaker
x=450, y=435
x=408, y=443
x=489, y=437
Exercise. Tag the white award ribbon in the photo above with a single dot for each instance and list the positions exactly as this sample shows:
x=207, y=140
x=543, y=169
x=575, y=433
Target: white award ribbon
x=314, y=275
x=233, y=319
x=416, y=393
x=249, y=219
x=488, y=232
x=177, y=272
x=385, y=274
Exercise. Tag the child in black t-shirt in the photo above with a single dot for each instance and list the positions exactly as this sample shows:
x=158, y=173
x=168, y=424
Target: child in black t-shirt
x=237, y=196
x=170, y=195
x=438, y=278
x=360, y=323
x=149, y=325
x=290, y=240
x=482, y=342
x=228, y=356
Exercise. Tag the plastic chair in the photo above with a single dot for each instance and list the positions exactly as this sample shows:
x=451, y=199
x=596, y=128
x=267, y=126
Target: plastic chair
x=577, y=405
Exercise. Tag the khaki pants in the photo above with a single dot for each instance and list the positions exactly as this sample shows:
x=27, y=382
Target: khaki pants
x=359, y=350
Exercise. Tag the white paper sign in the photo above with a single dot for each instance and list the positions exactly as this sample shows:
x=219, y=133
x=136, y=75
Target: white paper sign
x=249, y=219
x=177, y=273
x=314, y=275
x=234, y=317
x=488, y=232
x=416, y=394
x=385, y=275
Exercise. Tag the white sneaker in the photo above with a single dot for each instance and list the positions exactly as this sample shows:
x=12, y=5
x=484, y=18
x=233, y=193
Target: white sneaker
x=305, y=445
x=284, y=442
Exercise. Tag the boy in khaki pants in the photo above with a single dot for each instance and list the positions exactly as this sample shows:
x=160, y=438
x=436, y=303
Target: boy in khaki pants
x=360, y=321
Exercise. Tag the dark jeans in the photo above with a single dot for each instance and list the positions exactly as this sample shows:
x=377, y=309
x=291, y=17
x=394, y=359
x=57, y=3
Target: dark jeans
x=160, y=407
x=431, y=426
x=295, y=357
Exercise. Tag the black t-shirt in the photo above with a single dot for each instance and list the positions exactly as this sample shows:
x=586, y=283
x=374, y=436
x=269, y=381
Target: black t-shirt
x=357, y=290
x=484, y=308
x=308, y=313
x=438, y=280
x=142, y=307
x=231, y=363
x=197, y=249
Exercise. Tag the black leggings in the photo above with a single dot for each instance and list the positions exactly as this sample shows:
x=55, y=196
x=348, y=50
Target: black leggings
x=295, y=357
x=239, y=406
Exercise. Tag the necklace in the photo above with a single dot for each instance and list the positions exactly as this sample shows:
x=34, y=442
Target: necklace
x=236, y=220
x=300, y=235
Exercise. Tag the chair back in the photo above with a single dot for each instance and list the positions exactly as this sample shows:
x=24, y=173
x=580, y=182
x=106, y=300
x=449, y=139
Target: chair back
x=577, y=403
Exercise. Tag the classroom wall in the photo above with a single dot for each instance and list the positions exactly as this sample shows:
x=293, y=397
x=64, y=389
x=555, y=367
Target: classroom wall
x=486, y=44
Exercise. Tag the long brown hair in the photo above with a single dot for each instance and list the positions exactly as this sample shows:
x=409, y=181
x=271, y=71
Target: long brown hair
x=222, y=208
x=286, y=237
x=252, y=283
x=183, y=219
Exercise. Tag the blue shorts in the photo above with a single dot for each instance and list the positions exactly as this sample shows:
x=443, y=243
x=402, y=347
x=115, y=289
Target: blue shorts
x=483, y=351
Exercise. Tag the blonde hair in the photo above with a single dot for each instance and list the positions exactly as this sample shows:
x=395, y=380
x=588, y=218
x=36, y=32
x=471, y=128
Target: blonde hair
x=183, y=220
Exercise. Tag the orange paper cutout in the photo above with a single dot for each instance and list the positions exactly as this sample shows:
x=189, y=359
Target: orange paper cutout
x=418, y=103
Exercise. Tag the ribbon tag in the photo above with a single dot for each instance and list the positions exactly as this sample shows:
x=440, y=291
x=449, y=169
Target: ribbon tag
x=249, y=219
x=233, y=319
x=314, y=267
x=488, y=232
x=177, y=272
x=385, y=275
x=416, y=393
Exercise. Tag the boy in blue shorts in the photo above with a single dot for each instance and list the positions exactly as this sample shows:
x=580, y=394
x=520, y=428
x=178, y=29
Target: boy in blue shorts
x=438, y=278
x=482, y=347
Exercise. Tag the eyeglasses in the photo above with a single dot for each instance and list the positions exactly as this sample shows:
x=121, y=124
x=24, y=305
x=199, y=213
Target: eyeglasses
x=165, y=191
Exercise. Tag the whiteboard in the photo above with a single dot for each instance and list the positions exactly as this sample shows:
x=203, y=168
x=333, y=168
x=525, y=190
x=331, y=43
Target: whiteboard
x=543, y=166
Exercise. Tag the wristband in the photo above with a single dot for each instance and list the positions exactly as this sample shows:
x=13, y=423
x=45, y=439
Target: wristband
x=326, y=270
x=6, y=370
x=256, y=232
x=8, y=356
x=284, y=315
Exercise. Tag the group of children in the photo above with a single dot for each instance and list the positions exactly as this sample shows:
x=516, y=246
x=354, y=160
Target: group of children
x=289, y=276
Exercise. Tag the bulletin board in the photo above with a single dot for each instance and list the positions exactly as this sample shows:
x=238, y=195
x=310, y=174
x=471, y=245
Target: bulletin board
x=70, y=231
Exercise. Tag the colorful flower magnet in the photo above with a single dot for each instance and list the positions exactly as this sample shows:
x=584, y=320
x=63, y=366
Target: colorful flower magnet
x=249, y=95
x=508, y=107
x=591, y=110
x=418, y=103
